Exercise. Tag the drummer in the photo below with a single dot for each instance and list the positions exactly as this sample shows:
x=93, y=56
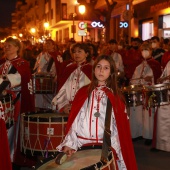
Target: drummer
x=146, y=73
x=76, y=75
x=47, y=63
x=161, y=139
x=15, y=75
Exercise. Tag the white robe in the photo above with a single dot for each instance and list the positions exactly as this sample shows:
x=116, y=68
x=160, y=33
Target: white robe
x=163, y=119
x=66, y=94
x=141, y=123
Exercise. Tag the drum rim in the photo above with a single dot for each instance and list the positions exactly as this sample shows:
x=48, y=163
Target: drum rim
x=158, y=87
x=42, y=162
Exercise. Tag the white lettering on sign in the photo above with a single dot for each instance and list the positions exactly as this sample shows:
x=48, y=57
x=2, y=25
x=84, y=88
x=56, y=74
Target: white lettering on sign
x=96, y=24
x=123, y=24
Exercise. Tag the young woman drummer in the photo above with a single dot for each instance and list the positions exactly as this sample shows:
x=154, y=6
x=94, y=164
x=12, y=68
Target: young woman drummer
x=87, y=117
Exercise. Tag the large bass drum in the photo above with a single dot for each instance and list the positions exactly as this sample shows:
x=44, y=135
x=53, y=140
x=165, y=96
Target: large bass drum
x=87, y=159
x=134, y=95
x=42, y=132
x=8, y=108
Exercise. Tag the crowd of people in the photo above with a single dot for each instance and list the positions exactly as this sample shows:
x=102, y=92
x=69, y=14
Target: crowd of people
x=88, y=77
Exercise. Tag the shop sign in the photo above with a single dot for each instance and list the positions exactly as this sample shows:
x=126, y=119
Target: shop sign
x=81, y=32
x=82, y=25
x=123, y=24
x=96, y=24
x=160, y=6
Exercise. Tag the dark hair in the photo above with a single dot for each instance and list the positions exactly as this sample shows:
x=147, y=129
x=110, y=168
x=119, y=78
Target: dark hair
x=155, y=38
x=94, y=49
x=84, y=47
x=112, y=41
x=111, y=81
x=166, y=41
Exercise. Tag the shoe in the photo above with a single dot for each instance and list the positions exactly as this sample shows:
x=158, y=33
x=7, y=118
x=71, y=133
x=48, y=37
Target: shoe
x=15, y=167
x=148, y=142
x=137, y=139
x=154, y=150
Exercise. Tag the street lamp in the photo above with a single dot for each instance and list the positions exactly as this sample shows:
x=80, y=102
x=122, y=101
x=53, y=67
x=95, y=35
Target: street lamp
x=33, y=30
x=46, y=25
x=82, y=10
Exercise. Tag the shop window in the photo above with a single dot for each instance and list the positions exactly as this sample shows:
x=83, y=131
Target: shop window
x=147, y=30
x=166, y=21
x=64, y=11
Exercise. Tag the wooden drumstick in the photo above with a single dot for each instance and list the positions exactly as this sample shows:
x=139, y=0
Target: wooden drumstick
x=61, y=158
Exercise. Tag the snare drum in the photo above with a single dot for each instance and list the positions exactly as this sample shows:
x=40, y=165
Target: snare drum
x=43, y=84
x=158, y=95
x=83, y=159
x=8, y=108
x=42, y=132
x=133, y=95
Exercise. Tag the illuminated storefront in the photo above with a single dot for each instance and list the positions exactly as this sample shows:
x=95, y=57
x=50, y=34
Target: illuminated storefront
x=152, y=18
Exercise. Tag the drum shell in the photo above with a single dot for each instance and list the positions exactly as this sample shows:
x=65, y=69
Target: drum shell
x=8, y=108
x=43, y=84
x=158, y=95
x=134, y=95
x=83, y=159
x=42, y=132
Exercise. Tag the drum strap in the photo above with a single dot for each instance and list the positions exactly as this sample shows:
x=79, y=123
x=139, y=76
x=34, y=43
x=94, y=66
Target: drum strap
x=107, y=133
x=50, y=63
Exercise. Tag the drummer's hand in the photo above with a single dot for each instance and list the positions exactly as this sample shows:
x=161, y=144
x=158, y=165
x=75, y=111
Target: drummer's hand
x=159, y=80
x=148, y=79
x=67, y=108
x=59, y=58
x=69, y=151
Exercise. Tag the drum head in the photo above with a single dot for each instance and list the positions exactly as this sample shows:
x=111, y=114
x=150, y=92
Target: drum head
x=78, y=160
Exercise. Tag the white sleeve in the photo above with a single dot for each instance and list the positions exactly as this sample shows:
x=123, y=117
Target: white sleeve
x=71, y=139
x=15, y=79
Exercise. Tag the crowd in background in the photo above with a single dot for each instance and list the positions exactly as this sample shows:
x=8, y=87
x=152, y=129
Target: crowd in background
x=143, y=63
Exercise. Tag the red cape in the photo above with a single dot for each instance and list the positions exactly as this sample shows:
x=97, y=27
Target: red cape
x=5, y=160
x=86, y=69
x=165, y=59
x=23, y=67
x=121, y=121
x=156, y=68
x=132, y=59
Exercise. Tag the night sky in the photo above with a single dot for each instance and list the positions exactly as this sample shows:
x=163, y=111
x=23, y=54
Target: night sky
x=6, y=8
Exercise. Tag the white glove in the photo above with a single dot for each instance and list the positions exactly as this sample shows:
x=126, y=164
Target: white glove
x=30, y=87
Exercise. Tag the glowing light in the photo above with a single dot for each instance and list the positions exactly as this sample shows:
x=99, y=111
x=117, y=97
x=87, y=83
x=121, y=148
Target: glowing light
x=46, y=24
x=33, y=30
x=82, y=9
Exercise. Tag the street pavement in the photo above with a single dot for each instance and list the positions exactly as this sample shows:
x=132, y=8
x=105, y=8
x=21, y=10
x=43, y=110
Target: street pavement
x=147, y=160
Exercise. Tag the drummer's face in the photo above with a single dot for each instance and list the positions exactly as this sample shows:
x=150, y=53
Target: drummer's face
x=102, y=71
x=10, y=50
x=79, y=55
x=146, y=53
x=49, y=46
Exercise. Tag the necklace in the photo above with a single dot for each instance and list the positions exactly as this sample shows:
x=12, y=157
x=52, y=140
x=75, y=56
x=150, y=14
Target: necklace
x=98, y=98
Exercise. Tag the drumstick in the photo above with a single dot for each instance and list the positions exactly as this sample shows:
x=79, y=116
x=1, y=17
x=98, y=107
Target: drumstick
x=163, y=79
x=61, y=158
